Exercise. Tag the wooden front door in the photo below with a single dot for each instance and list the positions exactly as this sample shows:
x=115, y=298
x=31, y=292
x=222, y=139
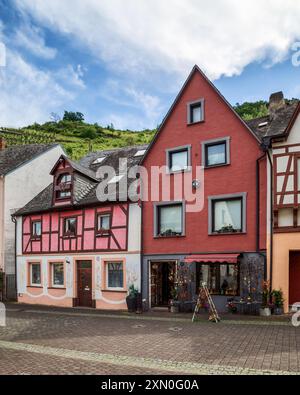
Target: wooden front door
x=294, y=277
x=162, y=283
x=84, y=276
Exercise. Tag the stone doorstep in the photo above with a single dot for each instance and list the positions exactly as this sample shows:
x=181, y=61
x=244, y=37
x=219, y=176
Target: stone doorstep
x=147, y=363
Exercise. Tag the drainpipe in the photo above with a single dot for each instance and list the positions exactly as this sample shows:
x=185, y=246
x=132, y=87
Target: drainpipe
x=271, y=219
x=266, y=146
x=258, y=202
x=14, y=220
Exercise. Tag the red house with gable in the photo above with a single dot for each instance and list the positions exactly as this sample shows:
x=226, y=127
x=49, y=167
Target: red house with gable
x=227, y=238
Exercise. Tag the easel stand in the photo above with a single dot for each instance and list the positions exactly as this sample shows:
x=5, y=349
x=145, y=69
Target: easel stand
x=205, y=297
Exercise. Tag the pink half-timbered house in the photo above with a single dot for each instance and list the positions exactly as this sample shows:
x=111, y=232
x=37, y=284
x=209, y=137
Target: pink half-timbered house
x=74, y=247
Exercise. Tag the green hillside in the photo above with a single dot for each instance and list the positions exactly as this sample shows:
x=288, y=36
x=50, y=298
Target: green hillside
x=77, y=137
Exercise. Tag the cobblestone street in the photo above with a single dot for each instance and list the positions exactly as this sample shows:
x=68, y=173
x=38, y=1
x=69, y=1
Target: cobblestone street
x=56, y=341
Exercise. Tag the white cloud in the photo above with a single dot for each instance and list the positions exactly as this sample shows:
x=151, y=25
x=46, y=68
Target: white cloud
x=72, y=76
x=222, y=36
x=31, y=38
x=28, y=94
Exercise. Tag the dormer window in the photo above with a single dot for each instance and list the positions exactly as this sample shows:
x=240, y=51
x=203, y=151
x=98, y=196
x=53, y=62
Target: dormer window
x=195, y=111
x=64, y=184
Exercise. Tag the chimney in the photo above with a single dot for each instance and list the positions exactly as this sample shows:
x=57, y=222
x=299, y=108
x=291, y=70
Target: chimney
x=276, y=103
x=2, y=144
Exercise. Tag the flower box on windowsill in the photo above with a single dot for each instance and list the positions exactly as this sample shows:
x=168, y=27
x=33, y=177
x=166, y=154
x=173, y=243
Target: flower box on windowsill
x=169, y=233
x=228, y=229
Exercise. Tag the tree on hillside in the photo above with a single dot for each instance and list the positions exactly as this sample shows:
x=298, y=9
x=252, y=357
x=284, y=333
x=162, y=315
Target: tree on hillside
x=252, y=110
x=73, y=116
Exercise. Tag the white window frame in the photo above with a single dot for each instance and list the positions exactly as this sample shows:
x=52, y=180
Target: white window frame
x=30, y=268
x=52, y=274
x=106, y=270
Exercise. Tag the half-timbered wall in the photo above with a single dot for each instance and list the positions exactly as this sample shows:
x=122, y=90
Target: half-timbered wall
x=286, y=164
x=86, y=239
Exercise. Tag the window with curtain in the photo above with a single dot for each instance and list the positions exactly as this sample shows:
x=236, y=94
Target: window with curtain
x=227, y=215
x=64, y=181
x=196, y=112
x=115, y=275
x=178, y=160
x=221, y=279
x=35, y=274
x=215, y=154
x=170, y=220
x=36, y=230
x=103, y=222
x=70, y=226
x=57, y=274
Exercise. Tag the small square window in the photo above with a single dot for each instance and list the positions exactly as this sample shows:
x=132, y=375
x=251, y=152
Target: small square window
x=36, y=229
x=216, y=152
x=57, y=275
x=178, y=159
x=196, y=111
x=35, y=274
x=104, y=223
x=169, y=220
x=70, y=226
x=115, y=275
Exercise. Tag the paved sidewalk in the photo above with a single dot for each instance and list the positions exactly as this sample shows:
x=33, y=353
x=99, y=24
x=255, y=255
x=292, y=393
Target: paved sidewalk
x=50, y=341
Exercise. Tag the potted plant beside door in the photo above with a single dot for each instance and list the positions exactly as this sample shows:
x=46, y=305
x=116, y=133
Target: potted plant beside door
x=278, y=301
x=132, y=299
x=174, y=304
x=265, y=310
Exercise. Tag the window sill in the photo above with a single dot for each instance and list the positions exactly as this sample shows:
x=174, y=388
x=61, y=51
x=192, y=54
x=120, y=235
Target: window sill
x=227, y=234
x=62, y=288
x=35, y=286
x=103, y=234
x=170, y=172
x=214, y=166
x=114, y=290
x=169, y=237
x=195, y=123
x=69, y=237
x=35, y=238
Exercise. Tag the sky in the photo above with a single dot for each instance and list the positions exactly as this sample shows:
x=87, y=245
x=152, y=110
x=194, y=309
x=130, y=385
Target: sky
x=123, y=62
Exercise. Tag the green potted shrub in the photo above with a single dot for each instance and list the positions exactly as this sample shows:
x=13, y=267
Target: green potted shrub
x=132, y=299
x=174, y=304
x=265, y=309
x=277, y=299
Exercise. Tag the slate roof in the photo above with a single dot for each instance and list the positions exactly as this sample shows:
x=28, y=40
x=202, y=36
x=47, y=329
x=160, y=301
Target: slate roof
x=277, y=124
x=43, y=201
x=13, y=157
